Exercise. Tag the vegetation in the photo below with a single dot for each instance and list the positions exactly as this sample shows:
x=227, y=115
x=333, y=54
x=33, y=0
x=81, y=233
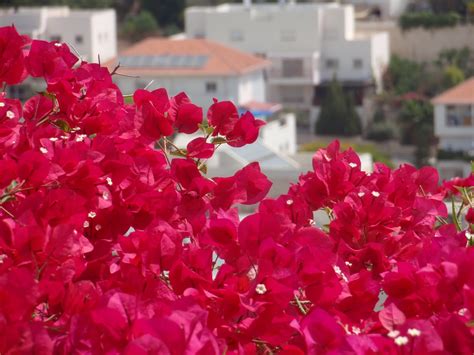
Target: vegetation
x=338, y=115
x=377, y=155
x=416, y=119
x=455, y=155
x=403, y=75
x=139, y=26
x=428, y=20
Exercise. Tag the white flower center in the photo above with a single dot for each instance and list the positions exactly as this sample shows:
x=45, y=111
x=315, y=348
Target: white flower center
x=414, y=332
x=92, y=214
x=375, y=193
x=43, y=150
x=10, y=114
x=261, y=289
x=401, y=340
x=393, y=333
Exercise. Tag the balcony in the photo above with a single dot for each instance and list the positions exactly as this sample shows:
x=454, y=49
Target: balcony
x=294, y=70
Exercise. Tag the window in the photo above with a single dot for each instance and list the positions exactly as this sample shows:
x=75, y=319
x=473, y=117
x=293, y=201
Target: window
x=292, y=95
x=458, y=116
x=79, y=39
x=211, y=87
x=236, y=36
x=55, y=38
x=332, y=63
x=288, y=36
x=357, y=63
x=292, y=68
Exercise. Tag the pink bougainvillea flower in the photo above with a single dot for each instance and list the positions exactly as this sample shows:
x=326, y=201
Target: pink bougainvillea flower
x=200, y=148
x=222, y=116
x=12, y=60
x=245, y=130
x=153, y=107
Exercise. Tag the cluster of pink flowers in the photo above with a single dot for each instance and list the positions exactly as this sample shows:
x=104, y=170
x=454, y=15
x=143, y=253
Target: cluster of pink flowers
x=107, y=245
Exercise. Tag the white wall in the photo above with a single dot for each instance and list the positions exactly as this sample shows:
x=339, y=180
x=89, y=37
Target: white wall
x=452, y=138
x=252, y=87
x=97, y=28
x=238, y=90
x=263, y=28
x=104, y=38
x=280, y=134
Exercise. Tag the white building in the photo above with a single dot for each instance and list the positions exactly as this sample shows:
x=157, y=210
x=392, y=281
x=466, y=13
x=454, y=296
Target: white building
x=307, y=43
x=92, y=33
x=454, y=128
x=387, y=9
x=454, y=118
x=203, y=69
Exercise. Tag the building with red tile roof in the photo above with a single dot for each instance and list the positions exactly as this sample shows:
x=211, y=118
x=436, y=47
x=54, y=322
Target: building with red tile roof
x=202, y=68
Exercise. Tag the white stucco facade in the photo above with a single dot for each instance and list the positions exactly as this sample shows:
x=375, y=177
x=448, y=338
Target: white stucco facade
x=239, y=89
x=92, y=33
x=454, y=127
x=307, y=43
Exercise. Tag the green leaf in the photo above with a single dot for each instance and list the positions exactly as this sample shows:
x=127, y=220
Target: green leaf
x=206, y=128
x=179, y=153
x=12, y=185
x=48, y=95
x=6, y=198
x=219, y=140
x=203, y=168
x=455, y=215
x=62, y=125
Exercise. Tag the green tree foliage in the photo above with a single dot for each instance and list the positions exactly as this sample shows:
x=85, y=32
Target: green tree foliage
x=137, y=27
x=444, y=6
x=338, y=115
x=403, y=75
x=452, y=76
x=168, y=13
x=416, y=118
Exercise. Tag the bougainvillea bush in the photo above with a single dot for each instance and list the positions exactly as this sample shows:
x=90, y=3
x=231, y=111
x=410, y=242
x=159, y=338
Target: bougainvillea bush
x=113, y=240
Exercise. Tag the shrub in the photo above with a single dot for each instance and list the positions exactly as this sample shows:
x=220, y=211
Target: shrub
x=381, y=132
x=428, y=20
x=110, y=245
x=338, y=115
x=136, y=27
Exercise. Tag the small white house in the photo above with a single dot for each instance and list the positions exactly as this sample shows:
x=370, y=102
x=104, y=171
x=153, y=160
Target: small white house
x=454, y=118
x=203, y=69
x=307, y=43
x=454, y=128
x=92, y=33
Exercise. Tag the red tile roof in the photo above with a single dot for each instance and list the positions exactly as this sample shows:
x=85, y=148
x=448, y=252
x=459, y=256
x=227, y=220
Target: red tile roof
x=460, y=94
x=222, y=60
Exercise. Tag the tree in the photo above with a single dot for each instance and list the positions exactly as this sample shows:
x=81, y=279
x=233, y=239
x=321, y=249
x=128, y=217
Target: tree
x=338, y=115
x=404, y=75
x=452, y=76
x=416, y=118
x=137, y=27
x=168, y=13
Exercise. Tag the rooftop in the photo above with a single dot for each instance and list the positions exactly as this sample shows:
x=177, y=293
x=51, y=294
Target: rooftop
x=185, y=57
x=267, y=7
x=460, y=94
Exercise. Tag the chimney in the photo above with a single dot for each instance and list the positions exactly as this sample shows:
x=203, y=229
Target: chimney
x=247, y=3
